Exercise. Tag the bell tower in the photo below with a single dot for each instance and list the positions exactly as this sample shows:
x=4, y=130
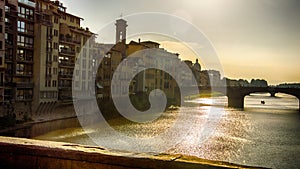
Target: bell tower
x=121, y=25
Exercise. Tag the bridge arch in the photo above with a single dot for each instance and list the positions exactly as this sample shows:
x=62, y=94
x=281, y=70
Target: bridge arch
x=286, y=100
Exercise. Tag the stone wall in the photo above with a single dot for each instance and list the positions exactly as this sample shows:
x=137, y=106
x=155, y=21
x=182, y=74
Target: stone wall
x=25, y=153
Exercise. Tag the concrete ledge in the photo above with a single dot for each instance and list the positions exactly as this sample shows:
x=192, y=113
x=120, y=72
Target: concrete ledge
x=27, y=153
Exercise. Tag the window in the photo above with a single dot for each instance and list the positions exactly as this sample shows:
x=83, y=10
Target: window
x=83, y=64
x=24, y=55
x=56, y=46
x=54, y=58
x=55, y=71
x=20, y=69
x=166, y=85
x=1, y=29
x=55, y=19
x=1, y=61
x=9, y=54
x=20, y=94
x=49, y=57
x=48, y=83
x=71, y=19
x=24, y=27
x=23, y=69
x=25, y=13
x=76, y=84
x=83, y=75
x=9, y=38
x=23, y=94
x=55, y=33
x=1, y=79
x=49, y=46
x=54, y=83
x=20, y=54
x=21, y=26
x=7, y=9
x=25, y=41
x=7, y=21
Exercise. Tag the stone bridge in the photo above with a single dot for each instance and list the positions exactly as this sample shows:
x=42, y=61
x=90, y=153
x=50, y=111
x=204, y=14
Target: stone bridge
x=236, y=94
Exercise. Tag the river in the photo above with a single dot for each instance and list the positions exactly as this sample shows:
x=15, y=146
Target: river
x=266, y=135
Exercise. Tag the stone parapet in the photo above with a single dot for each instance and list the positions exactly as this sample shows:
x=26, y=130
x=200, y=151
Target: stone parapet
x=27, y=153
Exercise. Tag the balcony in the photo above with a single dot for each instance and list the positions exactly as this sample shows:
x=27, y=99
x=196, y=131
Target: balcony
x=68, y=64
x=9, y=27
x=67, y=52
x=69, y=40
x=24, y=85
x=65, y=87
x=68, y=76
x=11, y=13
x=24, y=98
x=28, y=60
x=47, y=22
x=24, y=74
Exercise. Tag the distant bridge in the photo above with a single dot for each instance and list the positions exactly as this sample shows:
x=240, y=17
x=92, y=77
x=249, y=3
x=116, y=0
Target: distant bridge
x=236, y=94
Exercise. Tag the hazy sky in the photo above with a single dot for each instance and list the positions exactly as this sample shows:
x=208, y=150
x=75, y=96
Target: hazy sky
x=253, y=38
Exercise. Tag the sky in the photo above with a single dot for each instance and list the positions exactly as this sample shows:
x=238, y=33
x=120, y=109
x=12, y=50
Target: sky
x=257, y=39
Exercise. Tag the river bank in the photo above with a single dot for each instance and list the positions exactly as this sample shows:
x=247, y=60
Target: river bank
x=60, y=112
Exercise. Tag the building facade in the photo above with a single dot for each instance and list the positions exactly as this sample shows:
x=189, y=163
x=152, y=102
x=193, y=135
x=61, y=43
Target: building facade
x=39, y=45
x=144, y=81
x=62, y=43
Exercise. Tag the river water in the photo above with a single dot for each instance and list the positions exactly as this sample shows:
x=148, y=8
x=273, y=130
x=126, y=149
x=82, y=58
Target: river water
x=266, y=135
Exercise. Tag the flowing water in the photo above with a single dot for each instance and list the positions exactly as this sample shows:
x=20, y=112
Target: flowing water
x=266, y=135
